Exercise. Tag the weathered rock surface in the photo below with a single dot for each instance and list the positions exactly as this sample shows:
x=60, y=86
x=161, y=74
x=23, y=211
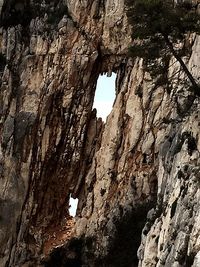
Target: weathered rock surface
x=136, y=176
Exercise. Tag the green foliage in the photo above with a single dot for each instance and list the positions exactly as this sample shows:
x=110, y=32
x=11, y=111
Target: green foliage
x=146, y=48
x=156, y=26
x=11, y=16
x=158, y=17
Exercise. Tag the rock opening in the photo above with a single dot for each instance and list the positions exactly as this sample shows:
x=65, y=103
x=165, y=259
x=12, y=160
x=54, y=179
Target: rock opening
x=104, y=95
x=73, y=203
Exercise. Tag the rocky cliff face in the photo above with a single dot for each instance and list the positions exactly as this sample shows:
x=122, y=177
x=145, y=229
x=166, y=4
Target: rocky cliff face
x=136, y=176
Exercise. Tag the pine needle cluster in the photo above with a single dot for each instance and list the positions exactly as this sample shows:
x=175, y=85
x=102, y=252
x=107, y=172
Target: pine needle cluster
x=159, y=28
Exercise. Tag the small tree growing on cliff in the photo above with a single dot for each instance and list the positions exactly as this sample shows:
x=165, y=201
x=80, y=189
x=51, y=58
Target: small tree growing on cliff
x=157, y=26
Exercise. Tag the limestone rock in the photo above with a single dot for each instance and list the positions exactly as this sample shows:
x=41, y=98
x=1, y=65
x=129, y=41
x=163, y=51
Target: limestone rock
x=136, y=176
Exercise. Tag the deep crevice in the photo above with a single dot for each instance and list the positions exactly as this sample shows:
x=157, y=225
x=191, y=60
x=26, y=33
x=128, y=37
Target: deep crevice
x=67, y=256
x=124, y=246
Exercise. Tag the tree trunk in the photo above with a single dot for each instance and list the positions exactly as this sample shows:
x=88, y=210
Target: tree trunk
x=195, y=87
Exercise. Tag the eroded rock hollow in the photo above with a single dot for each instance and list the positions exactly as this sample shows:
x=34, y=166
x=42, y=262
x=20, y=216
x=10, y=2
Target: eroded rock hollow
x=136, y=176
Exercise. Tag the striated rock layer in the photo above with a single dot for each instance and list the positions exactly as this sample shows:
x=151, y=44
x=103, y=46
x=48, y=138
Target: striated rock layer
x=136, y=176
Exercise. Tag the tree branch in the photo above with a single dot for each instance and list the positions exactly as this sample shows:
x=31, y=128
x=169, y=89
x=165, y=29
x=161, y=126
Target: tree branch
x=195, y=86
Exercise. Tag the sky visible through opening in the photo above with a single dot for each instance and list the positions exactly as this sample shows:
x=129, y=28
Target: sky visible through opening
x=73, y=203
x=104, y=95
x=103, y=102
